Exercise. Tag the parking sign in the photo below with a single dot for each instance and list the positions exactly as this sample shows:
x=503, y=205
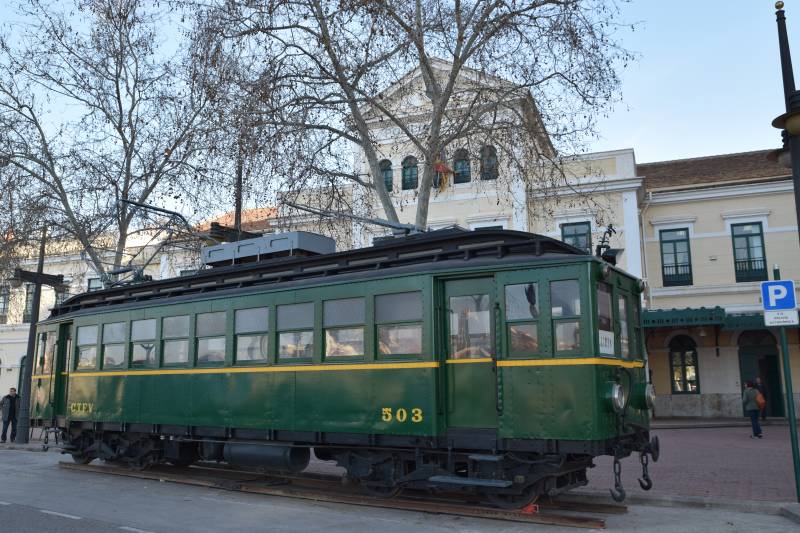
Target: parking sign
x=779, y=303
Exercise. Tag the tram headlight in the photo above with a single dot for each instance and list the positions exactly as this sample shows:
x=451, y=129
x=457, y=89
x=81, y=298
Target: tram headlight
x=650, y=396
x=618, y=397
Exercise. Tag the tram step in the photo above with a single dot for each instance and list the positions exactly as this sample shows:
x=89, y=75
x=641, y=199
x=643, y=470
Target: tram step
x=485, y=457
x=456, y=480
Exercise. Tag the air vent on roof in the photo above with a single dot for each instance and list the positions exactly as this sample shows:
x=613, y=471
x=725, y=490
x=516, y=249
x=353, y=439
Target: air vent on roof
x=295, y=243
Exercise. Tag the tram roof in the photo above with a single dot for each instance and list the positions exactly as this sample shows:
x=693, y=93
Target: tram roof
x=452, y=245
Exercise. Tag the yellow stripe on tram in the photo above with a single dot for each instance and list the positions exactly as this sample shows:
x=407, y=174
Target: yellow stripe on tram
x=468, y=361
x=358, y=366
x=575, y=361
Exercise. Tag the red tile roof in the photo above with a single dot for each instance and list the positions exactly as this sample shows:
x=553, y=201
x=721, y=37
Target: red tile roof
x=699, y=171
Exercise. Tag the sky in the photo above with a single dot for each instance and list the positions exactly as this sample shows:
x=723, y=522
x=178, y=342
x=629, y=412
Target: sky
x=707, y=79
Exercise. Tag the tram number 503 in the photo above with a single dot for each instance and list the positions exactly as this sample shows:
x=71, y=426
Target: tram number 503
x=401, y=414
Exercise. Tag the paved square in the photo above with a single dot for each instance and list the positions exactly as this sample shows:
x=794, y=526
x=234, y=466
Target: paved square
x=712, y=462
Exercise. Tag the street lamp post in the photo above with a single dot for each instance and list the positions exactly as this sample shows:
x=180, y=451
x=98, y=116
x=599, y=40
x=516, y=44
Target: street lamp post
x=789, y=122
x=38, y=278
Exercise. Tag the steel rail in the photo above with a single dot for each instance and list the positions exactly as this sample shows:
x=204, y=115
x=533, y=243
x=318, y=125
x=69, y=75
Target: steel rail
x=309, y=487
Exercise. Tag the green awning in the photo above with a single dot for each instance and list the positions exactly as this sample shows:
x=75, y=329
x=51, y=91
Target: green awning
x=744, y=321
x=703, y=316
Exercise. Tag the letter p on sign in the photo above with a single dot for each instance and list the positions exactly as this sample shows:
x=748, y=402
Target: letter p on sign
x=778, y=295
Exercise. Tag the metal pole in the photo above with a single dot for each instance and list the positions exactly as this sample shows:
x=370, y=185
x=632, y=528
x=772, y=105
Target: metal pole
x=24, y=422
x=237, y=210
x=790, y=413
x=787, y=74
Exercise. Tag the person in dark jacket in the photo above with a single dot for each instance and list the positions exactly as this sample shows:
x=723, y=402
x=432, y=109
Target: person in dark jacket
x=751, y=408
x=760, y=387
x=10, y=409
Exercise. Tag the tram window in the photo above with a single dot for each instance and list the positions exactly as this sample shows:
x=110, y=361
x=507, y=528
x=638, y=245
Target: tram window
x=605, y=319
x=522, y=301
x=567, y=336
x=176, y=352
x=522, y=314
x=50, y=353
x=523, y=339
x=622, y=312
x=211, y=338
x=470, y=327
x=252, y=340
x=87, y=347
x=565, y=301
x=398, y=307
x=175, y=331
x=404, y=338
x=114, y=345
x=343, y=341
x=39, y=364
x=565, y=298
x=143, y=342
x=298, y=343
x=400, y=339
x=175, y=327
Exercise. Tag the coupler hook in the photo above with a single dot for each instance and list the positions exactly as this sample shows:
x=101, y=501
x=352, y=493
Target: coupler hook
x=645, y=482
x=617, y=493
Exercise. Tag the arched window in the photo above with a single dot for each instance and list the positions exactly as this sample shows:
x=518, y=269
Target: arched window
x=461, y=171
x=683, y=365
x=386, y=173
x=410, y=173
x=488, y=163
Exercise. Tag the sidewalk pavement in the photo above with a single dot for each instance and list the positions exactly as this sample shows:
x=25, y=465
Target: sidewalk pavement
x=698, y=422
x=34, y=445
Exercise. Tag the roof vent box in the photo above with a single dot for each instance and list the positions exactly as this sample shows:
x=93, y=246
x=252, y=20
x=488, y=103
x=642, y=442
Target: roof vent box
x=294, y=243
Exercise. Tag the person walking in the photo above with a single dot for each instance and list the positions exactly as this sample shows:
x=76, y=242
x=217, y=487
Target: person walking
x=760, y=387
x=9, y=406
x=751, y=408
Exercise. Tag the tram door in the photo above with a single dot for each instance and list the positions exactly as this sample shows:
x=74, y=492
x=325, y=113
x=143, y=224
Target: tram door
x=470, y=348
x=60, y=366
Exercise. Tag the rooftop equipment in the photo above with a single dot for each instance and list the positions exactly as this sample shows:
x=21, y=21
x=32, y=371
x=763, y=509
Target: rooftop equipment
x=294, y=244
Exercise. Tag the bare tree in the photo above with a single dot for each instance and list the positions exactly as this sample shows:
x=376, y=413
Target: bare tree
x=529, y=78
x=95, y=109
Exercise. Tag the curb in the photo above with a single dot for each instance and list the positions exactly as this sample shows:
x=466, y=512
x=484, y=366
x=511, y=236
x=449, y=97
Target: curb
x=789, y=510
x=28, y=447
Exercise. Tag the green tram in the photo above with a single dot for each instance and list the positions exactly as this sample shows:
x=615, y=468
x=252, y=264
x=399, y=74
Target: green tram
x=490, y=361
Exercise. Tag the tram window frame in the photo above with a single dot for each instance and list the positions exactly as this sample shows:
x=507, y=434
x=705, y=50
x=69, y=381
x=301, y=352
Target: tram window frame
x=558, y=320
x=168, y=338
x=383, y=322
x=636, y=327
x=512, y=320
x=79, y=346
x=304, y=327
x=137, y=338
x=212, y=332
x=333, y=321
x=606, y=312
x=247, y=331
x=623, y=324
x=114, y=338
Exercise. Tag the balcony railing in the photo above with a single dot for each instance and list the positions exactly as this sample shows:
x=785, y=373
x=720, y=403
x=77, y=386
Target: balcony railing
x=750, y=269
x=677, y=274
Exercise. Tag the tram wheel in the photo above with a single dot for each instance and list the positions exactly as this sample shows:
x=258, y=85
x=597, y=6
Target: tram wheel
x=529, y=495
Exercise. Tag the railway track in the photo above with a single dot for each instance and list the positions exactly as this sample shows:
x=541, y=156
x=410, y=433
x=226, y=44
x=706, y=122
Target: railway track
x=318, y=487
